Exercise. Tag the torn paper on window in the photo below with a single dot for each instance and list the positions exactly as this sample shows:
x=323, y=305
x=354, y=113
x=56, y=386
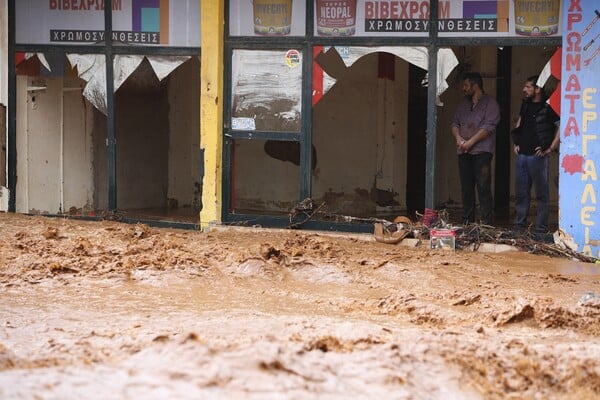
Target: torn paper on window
x=92, y=69
x=418, y=56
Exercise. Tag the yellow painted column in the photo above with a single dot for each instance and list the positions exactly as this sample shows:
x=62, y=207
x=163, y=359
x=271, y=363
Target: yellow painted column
x=211, y=109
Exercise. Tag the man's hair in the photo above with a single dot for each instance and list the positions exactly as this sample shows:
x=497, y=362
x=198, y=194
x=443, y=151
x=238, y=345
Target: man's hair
x=533, y=79
x=474, y=78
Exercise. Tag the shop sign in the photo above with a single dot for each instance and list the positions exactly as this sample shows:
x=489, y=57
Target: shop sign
x=580, y=126
x=135, y=22
x=344, y=18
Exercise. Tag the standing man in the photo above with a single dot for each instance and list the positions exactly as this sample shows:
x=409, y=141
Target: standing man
x=474, y=127
x=536, y=135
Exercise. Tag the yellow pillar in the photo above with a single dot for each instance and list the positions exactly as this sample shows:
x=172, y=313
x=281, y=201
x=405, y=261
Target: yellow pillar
x=211, y=109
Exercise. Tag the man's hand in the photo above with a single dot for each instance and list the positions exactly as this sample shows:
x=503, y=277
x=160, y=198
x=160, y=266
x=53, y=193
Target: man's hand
x=516, y=149
x=460, y=142
x=542, y=153
x=464, y=145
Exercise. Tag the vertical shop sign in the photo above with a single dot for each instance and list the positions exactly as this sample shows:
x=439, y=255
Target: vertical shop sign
x=580, y=147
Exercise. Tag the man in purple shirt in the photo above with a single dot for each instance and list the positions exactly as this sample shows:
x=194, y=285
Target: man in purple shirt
x=474, y=129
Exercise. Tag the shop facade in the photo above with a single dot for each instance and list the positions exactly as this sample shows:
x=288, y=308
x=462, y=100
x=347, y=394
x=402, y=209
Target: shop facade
x=88, y=138
x=260, y=113
x=370, y=88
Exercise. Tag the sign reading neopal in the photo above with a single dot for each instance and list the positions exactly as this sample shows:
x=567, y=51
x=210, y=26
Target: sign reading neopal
x=386, y=18
x=143, y=22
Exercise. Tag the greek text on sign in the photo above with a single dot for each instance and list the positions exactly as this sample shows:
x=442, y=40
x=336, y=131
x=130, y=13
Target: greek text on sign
x=63, y=35
x=417, y=25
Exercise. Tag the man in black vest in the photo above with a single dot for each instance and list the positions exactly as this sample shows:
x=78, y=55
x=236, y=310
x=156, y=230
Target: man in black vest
x=536, y=135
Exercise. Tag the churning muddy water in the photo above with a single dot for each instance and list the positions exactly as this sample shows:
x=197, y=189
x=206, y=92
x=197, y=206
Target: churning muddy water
x=100, y=310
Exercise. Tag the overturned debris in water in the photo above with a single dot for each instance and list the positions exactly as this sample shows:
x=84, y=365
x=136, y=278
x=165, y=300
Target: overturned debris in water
x=471, y=236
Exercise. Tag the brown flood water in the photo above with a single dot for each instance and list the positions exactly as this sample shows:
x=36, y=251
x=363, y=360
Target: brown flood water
x=101, y=310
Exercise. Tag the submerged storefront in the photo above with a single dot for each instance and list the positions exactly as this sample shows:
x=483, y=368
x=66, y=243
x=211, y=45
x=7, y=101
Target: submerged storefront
x=344, y=103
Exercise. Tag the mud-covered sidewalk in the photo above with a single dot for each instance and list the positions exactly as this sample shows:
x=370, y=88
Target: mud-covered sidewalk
x=101, y=310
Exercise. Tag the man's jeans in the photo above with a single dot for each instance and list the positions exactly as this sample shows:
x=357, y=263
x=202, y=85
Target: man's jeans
x=475, y=170
x=532, y=170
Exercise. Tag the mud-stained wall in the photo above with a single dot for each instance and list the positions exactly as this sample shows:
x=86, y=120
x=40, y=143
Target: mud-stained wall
x=100, y=159
x=359, y=145
x=261, y=182
x=142, y=130
x=359, y=131
x=78, y=171
x=184, y=135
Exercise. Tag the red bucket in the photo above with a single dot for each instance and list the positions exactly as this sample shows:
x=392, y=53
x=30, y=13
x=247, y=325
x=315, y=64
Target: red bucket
x=430, y=217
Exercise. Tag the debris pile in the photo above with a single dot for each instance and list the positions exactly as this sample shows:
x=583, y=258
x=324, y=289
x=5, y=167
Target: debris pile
x=470, y=236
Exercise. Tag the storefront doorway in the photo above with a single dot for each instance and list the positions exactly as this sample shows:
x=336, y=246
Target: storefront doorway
x=61, y=142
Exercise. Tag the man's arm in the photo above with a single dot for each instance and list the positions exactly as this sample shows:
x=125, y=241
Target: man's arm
x=456, y=133
x=516, y=147
x=480, y=135
x=554, y=118
x=554, y=145
x=488, y=125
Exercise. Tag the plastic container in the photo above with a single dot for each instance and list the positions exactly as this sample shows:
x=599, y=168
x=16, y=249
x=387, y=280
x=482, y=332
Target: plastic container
x=444, y=239
x=430, y=217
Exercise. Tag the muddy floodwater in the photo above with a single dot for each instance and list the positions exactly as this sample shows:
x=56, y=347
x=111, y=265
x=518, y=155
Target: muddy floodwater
x=106, y=310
